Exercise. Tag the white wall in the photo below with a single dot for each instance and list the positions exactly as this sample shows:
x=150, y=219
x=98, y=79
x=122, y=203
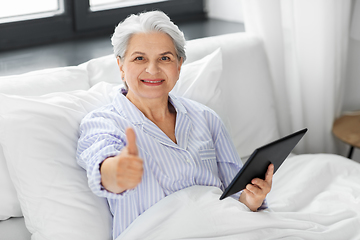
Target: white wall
x=228, y=10
x=352, y=85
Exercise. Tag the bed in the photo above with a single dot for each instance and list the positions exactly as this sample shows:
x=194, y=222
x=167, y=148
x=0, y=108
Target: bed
x=44, y=193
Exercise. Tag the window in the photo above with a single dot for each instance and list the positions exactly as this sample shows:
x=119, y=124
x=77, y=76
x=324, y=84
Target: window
x=100, y=5
x=11, y=12
x=98, y=15
x=46, y=21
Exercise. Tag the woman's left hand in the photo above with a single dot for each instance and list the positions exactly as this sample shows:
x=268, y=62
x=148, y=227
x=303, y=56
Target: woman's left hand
x=254, y=194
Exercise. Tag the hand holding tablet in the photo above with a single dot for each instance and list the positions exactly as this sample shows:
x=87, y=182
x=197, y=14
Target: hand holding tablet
x=257, y=165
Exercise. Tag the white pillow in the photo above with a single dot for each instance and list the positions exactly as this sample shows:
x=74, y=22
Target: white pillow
x=39, y=136
x=199, y=80
x=33, y=84
x=41, y=82
x=246, y=101
x=9, y=203
x=103, y=69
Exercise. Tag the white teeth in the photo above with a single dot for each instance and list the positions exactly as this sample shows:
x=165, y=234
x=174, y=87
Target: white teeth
x=152, y=81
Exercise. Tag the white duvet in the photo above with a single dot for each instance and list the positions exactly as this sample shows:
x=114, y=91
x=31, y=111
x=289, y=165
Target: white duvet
x=313, y=197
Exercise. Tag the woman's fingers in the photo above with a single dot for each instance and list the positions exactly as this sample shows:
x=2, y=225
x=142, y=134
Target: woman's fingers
x=259, y=186
x=131, y=141
x=255, y=193
x=130, y=166
x=269, y=174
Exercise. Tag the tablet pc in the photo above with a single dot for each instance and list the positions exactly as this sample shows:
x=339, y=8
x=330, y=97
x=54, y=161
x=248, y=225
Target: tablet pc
x=256, y=166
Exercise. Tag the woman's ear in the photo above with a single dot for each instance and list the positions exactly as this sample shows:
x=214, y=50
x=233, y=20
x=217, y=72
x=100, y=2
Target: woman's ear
x=180, y=63
x=120, y=64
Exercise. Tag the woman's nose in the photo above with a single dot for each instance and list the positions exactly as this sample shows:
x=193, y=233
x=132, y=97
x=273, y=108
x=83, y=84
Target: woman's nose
x=152, y=68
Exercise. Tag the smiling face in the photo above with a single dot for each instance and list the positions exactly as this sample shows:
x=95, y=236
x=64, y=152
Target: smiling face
x=150, y=67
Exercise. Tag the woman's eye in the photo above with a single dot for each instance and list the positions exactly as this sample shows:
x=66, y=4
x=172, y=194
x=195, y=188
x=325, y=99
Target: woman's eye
x=139, y=58
x=165, y=58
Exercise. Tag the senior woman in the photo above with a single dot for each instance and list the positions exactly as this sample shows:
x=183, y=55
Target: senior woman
x=148, y=143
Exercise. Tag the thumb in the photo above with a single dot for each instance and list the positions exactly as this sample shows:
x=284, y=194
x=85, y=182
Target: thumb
x=269, y=173
x=131, y=141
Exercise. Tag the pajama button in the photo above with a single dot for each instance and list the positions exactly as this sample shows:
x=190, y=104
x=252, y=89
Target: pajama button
x=188, y=160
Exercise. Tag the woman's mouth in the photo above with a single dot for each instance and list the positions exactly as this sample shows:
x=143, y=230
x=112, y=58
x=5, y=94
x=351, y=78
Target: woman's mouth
x=152, y=82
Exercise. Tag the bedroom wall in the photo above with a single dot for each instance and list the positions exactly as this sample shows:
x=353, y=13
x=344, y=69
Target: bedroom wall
x=228, y=10
x=352, y=85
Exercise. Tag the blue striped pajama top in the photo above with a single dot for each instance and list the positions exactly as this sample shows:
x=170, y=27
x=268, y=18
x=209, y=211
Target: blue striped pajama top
x=204, y=154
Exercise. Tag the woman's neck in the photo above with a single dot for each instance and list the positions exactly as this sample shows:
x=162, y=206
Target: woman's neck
x=160, y=112
x=157, y=109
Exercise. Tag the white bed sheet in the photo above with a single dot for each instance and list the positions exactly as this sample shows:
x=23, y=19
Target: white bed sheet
x=313, y=197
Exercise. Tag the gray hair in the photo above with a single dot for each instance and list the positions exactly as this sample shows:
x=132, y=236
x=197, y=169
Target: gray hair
x=154, y=21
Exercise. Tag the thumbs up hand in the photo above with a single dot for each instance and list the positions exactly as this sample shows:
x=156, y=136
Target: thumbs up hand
x=125, y=170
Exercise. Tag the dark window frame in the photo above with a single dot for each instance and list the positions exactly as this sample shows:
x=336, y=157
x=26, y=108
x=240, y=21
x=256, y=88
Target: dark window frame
x=178, y=10
x=36, y=31
x=79, y=22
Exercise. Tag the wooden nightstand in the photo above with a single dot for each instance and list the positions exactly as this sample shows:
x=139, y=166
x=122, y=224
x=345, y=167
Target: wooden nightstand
x=347, y=129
